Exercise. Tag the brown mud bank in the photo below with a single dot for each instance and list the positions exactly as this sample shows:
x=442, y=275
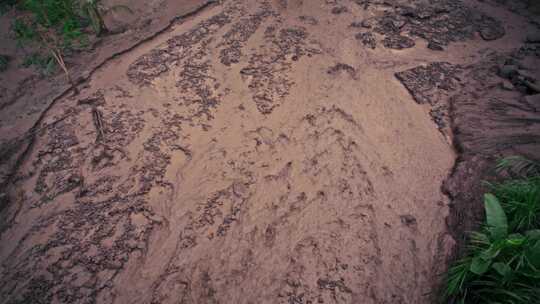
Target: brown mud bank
x=493, y=111
x=269, y=152
x=488, y=106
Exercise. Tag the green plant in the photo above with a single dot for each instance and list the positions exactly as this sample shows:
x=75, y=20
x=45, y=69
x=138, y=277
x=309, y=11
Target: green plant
x=501, y=267
x=57, y=28
x=520, y=199
x=91, y=10
x=60, y=17
x=23, y=30
x=502, y=264
x=45, y=63
x=54, y=26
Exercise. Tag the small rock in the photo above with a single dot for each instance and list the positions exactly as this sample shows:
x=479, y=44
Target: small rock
x=134, y=244
x=398, y=42
x=398, y=23
x=339, y=10
x=435, y=46
x=420, y=13
x=240, y=190
x=489, y=33
x=521, y=87
x=507, y=71
x=368, y=23
x=3, y=199
x=490, y=28
x=533, y=101
x=533, y=37
x=90, y=283
x=527, y=75
x=532, y=86
x=368, y=39
x=408, y=219
x=95, y=99
x=507, y=85
x=115, y=264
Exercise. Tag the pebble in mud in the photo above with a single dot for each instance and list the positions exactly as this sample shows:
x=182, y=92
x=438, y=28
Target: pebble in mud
x=342, y=67
x=490, y=29
x=507, y=71
x=368, y=23
x=533, y=37
x=398, y=42
x=533, y=100
x=435, y=46
x=309, y=20
x=4, y=200
x=368, y=39
x=532, y=86
x=507, y=85
x=490, y=34
x=408, y=220
x=339, y=10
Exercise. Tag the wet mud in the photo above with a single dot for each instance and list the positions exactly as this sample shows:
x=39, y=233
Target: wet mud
x=269, y=152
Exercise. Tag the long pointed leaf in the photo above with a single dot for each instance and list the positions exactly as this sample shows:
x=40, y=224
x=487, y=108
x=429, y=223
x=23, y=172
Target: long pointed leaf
x=495, y=217
x=479, y=265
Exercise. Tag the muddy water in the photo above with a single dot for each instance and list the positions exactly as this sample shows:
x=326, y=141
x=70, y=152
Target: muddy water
x=256, y=153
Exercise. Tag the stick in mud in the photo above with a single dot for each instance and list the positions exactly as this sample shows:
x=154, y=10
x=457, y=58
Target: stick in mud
x=98, y=123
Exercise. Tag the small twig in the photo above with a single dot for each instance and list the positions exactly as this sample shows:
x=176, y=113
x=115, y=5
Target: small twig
x=98, y=123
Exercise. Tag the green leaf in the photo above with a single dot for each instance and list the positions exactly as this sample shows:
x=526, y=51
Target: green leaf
x=503, y=269
x=533, y=234
x=533, y=254
x=495, y=217
x=492, y=252
x=479, y=265
x=531, y=273
x=515, y=239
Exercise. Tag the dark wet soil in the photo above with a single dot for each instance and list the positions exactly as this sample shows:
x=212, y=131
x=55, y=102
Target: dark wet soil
x=488, y=110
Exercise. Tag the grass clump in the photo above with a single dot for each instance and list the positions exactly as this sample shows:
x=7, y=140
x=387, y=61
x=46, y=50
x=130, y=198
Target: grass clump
x=58, y=18
x=502, y=263
x=56, y=28
x=51, y=28
x=45, y=63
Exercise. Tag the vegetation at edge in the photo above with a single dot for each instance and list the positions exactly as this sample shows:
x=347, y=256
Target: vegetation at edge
x=53, y=29
x=502, y=263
